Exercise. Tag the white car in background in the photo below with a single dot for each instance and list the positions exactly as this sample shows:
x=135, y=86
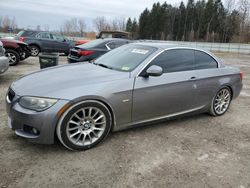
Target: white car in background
x=4, y=62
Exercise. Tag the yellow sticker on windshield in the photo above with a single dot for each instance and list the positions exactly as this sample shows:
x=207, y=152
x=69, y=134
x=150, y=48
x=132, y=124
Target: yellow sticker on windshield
x=140, y=51
x=125, y=68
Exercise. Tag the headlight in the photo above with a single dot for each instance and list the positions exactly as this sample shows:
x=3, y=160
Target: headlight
x=36, y=103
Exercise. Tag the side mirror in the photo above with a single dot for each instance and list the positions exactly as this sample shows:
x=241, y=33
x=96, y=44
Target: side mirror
x=154, y=70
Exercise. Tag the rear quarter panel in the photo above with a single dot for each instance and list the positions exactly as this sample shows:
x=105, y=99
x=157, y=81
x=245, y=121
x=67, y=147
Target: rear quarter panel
x=210, y=81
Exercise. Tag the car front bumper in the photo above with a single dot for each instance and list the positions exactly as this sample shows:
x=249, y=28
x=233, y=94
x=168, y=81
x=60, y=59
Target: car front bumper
x=38, y=127
x=4, y=64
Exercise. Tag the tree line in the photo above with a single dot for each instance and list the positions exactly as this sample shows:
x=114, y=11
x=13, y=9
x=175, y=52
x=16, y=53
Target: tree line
x=196, y=21
x=6, y=23
x=201, y=20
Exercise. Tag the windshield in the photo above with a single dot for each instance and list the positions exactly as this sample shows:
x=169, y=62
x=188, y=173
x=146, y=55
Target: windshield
x=20, y=33
x=92, y=43
x=125, y=58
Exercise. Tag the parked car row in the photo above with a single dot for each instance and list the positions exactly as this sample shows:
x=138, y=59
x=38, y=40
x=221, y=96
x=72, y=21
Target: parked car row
x=30, y=43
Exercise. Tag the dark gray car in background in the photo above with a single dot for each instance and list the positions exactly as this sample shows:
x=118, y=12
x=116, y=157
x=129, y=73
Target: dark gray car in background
x=133, y=84
x=44, y=41
x=94, y=49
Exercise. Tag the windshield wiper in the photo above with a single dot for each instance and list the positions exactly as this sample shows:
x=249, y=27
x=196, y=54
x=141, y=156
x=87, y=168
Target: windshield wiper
x=103, y=65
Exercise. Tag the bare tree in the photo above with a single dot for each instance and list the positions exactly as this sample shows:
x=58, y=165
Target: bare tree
x=73, y=27
x=119, y=24
x=229, y=5
x=1, y=20
x=114, y=24
x=101, y=24
x=38, y=28
x=82, y=26
x=13, y=23
x=6, y=22
x=46, y=27
x=244, y=7
x=66, y=28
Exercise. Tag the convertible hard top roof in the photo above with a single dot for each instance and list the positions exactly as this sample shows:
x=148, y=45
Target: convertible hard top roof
x=160, y=44
x=164, y=45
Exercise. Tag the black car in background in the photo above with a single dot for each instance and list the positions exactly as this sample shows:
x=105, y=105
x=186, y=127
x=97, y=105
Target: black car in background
x=93, y=49
x=43, y=41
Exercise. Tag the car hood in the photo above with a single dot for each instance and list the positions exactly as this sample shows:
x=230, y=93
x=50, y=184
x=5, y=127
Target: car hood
x=12, y=41
x=64, y=81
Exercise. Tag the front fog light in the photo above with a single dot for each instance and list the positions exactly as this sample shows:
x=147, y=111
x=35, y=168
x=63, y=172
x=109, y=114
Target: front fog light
x=35, y=131
x=37, y=103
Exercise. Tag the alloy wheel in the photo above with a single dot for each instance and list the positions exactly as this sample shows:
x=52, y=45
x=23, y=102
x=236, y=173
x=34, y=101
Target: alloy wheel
x=222, y=101
x=12, y=58
x=86, y=126
x=34, y=51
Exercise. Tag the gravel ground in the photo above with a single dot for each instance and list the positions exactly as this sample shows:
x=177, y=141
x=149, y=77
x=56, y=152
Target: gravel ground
x=197, y=151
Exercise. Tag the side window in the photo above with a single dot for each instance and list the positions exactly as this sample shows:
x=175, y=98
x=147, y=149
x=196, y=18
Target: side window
x=204, y=61
x=175, y=60
x=120, y=43
x=43, y=35
x=58, y=37
x=111, y=45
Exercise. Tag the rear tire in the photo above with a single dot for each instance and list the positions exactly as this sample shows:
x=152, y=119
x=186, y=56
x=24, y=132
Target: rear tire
x=13, y=57
x=221, y=102
x=34, y=50
x=84, y=125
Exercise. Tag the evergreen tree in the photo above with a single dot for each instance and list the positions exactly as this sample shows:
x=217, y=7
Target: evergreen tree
x=181, y=21
x=129, y=25
x=200, y=20
x=134, y=29
x=144, y=25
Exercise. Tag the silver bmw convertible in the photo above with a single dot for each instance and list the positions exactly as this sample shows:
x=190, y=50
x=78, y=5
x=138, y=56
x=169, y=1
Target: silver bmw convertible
x=131, y=85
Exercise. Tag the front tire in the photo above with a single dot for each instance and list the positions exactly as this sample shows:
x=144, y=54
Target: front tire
x=84, y=125
x=13, y=57
x=221, y=102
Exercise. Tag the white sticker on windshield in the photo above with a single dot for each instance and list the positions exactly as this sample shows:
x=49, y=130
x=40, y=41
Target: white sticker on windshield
x=140, y=51
x=125, y=68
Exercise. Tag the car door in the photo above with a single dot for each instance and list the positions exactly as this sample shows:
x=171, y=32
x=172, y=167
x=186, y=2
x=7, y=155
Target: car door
x=172, y=93
x=208, y=77
x=45, y=41
x=60, y=43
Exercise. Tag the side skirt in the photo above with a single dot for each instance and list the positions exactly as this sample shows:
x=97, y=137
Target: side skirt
x=161, y=118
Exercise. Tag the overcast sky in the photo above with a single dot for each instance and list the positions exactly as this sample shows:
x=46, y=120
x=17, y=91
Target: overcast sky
x=30, y=13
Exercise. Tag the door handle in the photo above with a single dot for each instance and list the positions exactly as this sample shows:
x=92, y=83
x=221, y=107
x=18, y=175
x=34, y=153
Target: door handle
x=193, y=78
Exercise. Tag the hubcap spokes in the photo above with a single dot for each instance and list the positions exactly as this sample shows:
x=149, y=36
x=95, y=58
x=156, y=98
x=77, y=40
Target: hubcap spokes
x=34, y=51
x=11, y=57
x=86, y=126
x=222, y=101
